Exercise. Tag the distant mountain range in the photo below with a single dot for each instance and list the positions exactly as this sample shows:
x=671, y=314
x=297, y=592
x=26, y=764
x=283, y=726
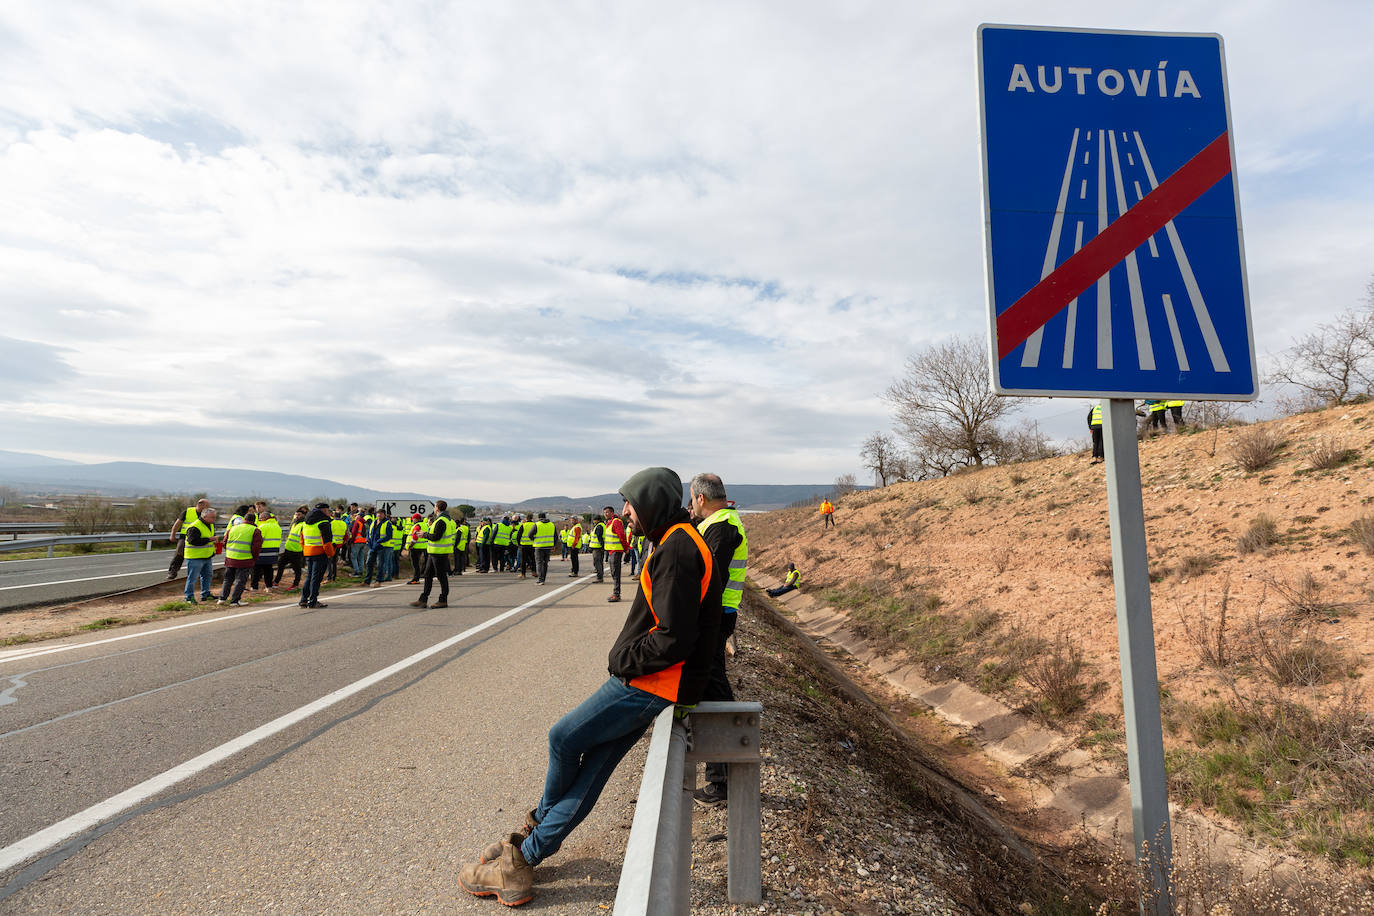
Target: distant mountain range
x=41, y=475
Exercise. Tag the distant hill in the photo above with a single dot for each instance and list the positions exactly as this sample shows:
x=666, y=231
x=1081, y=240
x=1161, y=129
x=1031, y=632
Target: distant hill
x=28, y=459
x=746, y=496
x=137, y=478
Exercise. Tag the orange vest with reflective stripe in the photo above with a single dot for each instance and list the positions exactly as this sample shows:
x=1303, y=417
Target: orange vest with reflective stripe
x=665, y=683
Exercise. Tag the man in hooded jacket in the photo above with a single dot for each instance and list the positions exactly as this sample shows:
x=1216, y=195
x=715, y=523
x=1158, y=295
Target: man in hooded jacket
x=662, y=656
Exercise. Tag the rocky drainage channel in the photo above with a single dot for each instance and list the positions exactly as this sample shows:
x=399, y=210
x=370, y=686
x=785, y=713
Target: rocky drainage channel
x=1079, y=789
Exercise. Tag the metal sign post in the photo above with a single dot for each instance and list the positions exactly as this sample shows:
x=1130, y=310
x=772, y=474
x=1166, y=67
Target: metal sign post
x=1136, y=642
x=1116, y=270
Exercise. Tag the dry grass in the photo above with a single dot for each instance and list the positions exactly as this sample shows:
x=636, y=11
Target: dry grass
x=1290, y=655
x=1362, y=532
x=1303, y=598
x=1256, y=448
x=1262, y=534
x=1329, y=452
x=1056, y=679
x=1211, y=634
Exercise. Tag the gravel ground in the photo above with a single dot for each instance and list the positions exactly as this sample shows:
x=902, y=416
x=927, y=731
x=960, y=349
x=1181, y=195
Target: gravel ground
x=854, y=821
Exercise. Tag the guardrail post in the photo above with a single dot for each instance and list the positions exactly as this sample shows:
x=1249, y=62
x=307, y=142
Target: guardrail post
x=656, y=876
x=50, y=551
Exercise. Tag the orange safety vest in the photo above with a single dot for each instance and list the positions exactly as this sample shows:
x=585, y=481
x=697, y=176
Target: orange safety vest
x=665, y=683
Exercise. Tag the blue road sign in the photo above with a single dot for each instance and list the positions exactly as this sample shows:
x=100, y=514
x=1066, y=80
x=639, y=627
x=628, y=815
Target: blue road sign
x=1114, y=255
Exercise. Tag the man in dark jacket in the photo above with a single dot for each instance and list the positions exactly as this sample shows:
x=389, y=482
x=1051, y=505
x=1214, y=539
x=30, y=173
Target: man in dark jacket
x=661, y=657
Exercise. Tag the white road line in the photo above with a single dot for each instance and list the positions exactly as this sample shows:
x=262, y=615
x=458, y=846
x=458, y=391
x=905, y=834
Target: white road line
x=1085, y=161
x=1031, y=355
x=1138, y=196
x=1083, y=185
x=1173, y=332
x=22, y=654
x=1073, y=306
x=142, y=572
x=1204, y=320
x=1130, y=159
x=1144, y=349
x=1154, y=249
x=1104, y=285
x=45, y=839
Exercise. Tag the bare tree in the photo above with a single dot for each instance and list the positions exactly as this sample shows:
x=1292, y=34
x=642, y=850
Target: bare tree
x=1023, y=442
x=845, y=483
x=882, y=456
x=1213, y=415
x=945, y=408
x=1334, y=364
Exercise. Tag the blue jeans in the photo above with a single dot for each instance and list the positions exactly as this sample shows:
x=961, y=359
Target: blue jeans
x=200, y=568
x=359, y=558
x=379, y=560
x=585, y=747
x=315, y=568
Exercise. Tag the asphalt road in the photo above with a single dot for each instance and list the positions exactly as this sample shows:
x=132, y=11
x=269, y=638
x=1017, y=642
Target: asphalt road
x=141, y=769
x=28, y=582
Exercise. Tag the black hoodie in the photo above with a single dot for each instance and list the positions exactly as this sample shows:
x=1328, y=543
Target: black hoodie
x=665, y=646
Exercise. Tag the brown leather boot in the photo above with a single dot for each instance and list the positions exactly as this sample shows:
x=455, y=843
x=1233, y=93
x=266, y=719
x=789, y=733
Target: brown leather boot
x=508, y=876
x=442, y=602
x=493, y=851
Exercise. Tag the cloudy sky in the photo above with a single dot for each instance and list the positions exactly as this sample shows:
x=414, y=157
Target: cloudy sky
x=514, y=249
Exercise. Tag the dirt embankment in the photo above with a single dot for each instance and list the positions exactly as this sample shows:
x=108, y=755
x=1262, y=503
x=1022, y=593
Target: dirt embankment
x=1267, y=569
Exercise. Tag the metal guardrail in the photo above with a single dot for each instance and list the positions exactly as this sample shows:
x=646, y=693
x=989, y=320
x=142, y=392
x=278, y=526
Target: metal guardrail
x=152, y=537
x=655, y=878
x=18, y=528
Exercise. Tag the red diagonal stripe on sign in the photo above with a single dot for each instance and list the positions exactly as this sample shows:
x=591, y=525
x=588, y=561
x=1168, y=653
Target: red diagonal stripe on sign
x=1044, y=300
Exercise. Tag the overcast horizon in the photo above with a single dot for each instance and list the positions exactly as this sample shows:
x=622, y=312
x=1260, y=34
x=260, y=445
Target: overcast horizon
x=513, y=249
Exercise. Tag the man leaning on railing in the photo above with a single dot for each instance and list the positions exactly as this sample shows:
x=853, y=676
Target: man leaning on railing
x=662, y=657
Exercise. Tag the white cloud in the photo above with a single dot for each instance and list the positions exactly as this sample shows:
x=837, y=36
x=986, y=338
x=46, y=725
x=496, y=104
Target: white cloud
x=705, y=235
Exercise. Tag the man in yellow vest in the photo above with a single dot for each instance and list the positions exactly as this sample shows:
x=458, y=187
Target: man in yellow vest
x=500, y=544
x=338, y=532
x=1095, y=429
x=242, y=543
x=574, y=544
x=723, y=532
x=292, y=550
x=827, y=513
x=615, y=541
x=542, y=544
x=317, y=534
x=381, y=539
x=460, y=548
x=188, y=515
x=199, y=534
x=1176, y=413
x=417, y=547
x=271, y=548
x=790, y=582
x=439, y=541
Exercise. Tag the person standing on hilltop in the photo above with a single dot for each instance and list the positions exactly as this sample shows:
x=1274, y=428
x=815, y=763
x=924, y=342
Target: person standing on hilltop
x=723, y=532
x=178, y=534
x=1095, y=427
x=615, y=542
x=827, y=513
x=661, y=657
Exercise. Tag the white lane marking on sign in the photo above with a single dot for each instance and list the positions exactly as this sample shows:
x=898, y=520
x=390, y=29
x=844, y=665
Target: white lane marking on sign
x=1204, y=320
x=1173, y=332
x=36, y=843
x=1073, y=306
x=1144, y=349
x=1104, y=289
x=1031, y=355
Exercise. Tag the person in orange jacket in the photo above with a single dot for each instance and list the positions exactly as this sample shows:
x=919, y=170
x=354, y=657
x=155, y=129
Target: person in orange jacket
x=318, y=540
x=827, y=513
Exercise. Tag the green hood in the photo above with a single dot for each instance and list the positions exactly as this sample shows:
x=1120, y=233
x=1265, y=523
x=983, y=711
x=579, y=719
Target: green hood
x=656, y=494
